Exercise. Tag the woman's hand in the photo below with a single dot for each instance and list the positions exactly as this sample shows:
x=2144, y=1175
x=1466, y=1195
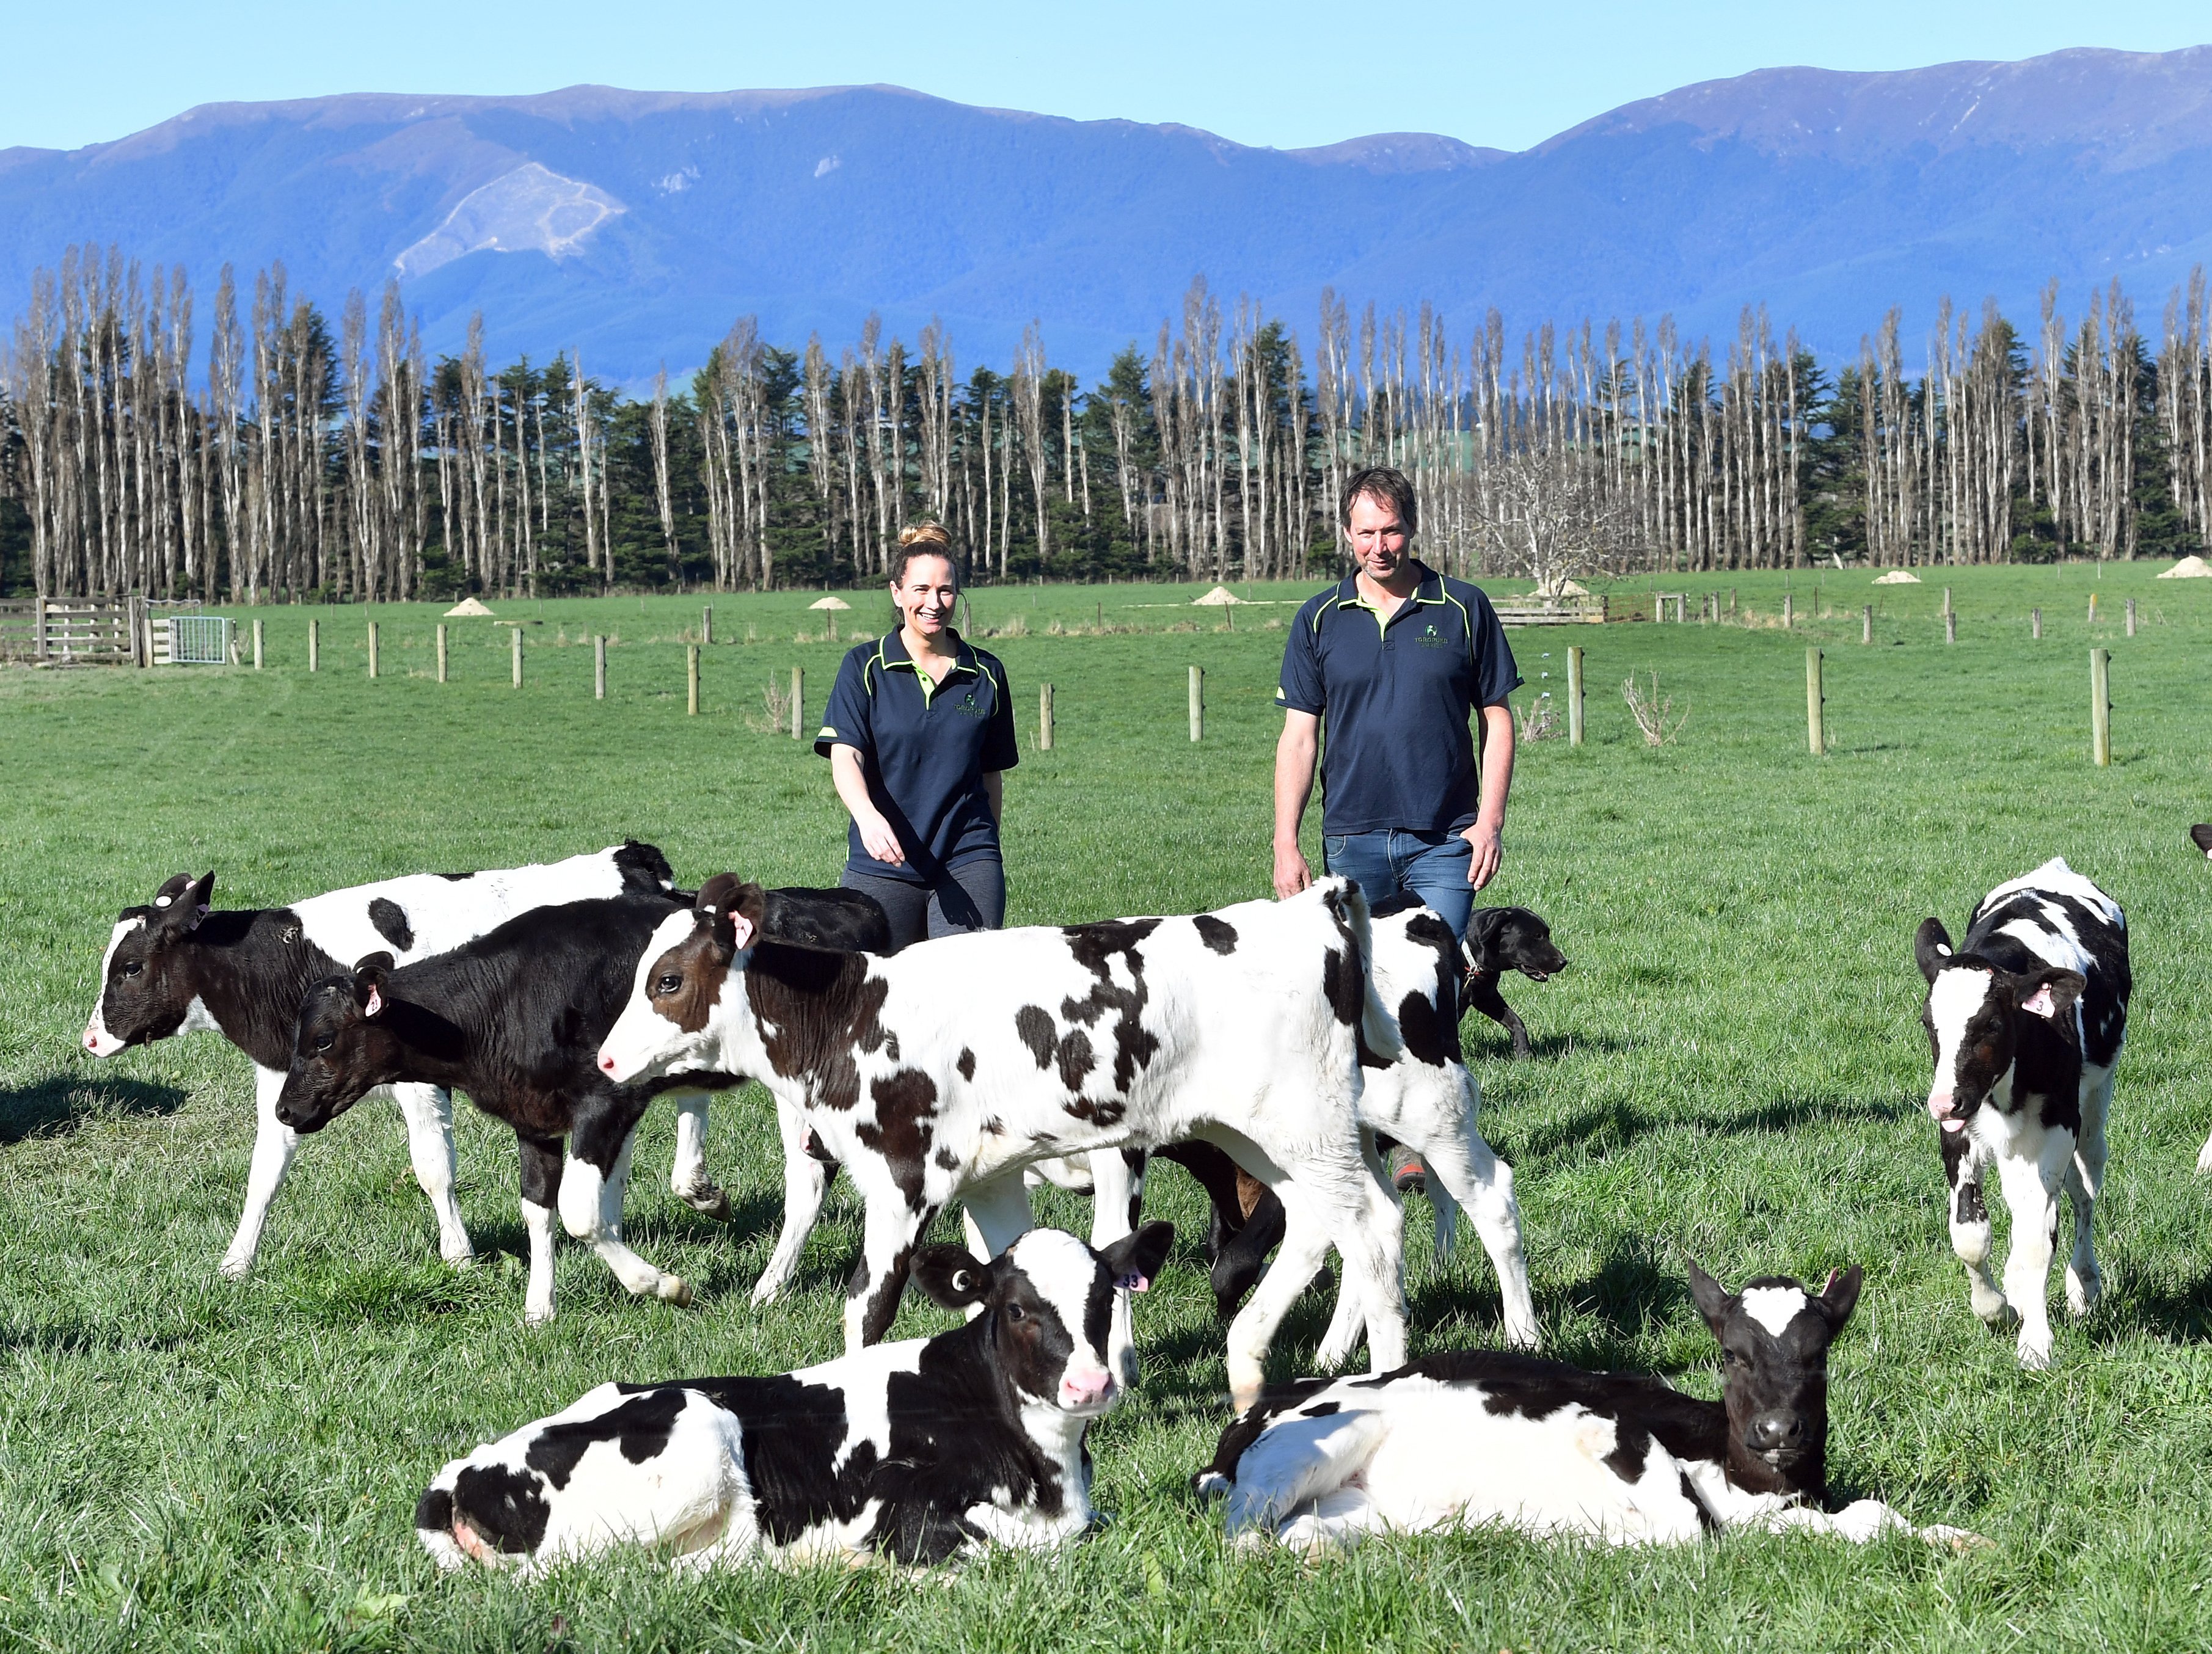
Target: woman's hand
x=879, y=840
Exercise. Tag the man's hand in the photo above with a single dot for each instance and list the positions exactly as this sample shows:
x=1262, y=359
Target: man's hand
x=1291, y=873
x=878, y=839
x=1487, y=841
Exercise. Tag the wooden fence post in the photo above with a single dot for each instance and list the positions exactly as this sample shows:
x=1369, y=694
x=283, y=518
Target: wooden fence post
x=798, y=702
x=2092, y=608
x=2101, y=707
x=1946, y=603
x=372, y=649
x=441, y=650
x=314, y=645
x=1731, y=601
x=1197, y=702
x=517, y=636
x=1866, y=625
x=2035, y=625
x=1950, y=624
x=691, y=680
x=2131, y=617
x=598, y=668
x=1788, y=610
x=257, y=642
x=1575, y=696
x=707, y=624
x=1815, y=728
x=39, y=627
x=1044, y=717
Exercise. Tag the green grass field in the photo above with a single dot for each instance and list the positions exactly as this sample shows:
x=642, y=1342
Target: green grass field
x=1730, y=1071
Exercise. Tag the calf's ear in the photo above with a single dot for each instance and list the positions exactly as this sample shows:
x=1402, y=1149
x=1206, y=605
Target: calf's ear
x=1715, y=1302
x=1931, y=947
x=372, y=975
x=1839, y=1296
x=2049, y=994
x=950, y=1277
x=2201, y=835
x=734, y=908
x=1135, y=1261
x=181, y=903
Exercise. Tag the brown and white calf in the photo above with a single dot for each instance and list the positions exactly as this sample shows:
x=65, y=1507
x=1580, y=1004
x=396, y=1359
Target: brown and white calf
x=177, y=966
x=942, y=1072
x=2200, y=835
x=1463, y=1438
x=2024, y=1020
x=920, y=1451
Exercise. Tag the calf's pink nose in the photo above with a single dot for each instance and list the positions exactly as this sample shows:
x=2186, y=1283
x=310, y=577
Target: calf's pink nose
x=1085, y=1389
x=607, y=1063
x=1939, y=1104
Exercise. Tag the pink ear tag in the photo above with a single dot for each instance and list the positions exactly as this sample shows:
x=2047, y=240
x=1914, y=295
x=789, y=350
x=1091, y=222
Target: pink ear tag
x=376, y=1004
x=742, y=928
x=2040, y=1002
x=1133, y=1282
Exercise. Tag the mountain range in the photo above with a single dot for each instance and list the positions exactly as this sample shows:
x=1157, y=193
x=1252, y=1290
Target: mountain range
x=636, y=226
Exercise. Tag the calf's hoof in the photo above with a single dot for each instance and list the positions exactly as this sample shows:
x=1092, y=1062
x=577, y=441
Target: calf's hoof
x=674, y=1289
x=714, y=1201
x=537, y=1315
x=1996, y=1314
x=463, y=1256
x=2205, y=1159
x=2082, y=1292
x=234, y=1267
x=1961, y=1540
x=2035, y=1354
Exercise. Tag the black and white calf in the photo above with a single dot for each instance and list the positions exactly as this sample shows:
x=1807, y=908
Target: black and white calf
x=514, y=1019
x=1468, y=1438
x=1424, y=1098
x=2200, y=835
x=942, y=1072
x=176, y=966
x=2025, y=1018
x=920, y=1451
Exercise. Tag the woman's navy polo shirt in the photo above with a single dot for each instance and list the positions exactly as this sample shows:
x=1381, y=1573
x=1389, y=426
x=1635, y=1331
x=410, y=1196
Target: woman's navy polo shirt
x=925, y=749
x=1396, y=696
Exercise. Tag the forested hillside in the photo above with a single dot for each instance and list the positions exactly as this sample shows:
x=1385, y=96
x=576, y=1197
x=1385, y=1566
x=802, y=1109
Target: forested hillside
x=297, y=458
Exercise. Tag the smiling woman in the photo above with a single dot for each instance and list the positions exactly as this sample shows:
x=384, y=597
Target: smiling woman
x=919, y=733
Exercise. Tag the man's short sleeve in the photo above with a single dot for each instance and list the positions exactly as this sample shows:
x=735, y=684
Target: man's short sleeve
x=848, y=720
x=1001, y=750
x=1495, y=676
x=1299, y=688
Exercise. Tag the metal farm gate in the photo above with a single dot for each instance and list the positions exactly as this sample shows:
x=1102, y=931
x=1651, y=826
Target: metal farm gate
x=198, y=640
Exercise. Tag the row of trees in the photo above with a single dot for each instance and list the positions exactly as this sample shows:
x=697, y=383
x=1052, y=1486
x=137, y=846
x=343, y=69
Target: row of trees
x=308, y=461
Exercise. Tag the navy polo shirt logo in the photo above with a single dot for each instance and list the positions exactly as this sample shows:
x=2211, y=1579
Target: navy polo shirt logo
x=968, y=706
x=1430, y=638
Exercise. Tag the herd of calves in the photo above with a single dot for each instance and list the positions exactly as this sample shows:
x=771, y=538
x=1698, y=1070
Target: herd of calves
x=1274, y=1049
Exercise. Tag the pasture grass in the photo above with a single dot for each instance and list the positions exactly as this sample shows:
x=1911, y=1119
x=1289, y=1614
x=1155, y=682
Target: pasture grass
x=1730, y=1071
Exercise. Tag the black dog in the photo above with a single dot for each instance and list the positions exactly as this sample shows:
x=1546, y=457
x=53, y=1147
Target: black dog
x=1499, y=940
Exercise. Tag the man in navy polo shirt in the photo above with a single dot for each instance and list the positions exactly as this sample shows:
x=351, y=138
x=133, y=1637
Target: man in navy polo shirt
x=1394, y=661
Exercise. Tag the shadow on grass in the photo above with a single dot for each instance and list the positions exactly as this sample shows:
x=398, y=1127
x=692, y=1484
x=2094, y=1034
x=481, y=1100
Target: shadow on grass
x=1608, y=1126
x=1489, y=1042
x=2181, y=1314
x=55, y=1106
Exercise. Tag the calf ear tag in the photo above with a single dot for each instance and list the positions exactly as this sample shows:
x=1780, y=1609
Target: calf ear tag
x=1133, y=1282
x=375, y=1003
x=2040, y=1002
x=742, y=928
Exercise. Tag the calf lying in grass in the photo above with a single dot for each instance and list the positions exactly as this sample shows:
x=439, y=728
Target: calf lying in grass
x=918, y=1451
x=1463, y=1439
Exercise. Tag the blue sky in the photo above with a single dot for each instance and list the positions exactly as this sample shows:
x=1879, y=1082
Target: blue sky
x=1287, y=74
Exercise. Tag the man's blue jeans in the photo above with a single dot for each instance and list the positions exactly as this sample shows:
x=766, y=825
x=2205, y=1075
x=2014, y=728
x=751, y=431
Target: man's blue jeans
x=1432, y=866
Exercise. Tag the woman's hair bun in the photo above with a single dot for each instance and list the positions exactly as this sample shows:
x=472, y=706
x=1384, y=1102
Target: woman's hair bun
x=917, y=535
